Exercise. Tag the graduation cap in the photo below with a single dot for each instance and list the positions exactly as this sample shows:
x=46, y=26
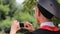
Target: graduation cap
x=52, y=6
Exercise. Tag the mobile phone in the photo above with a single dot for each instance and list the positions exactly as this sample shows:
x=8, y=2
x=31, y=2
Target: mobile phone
x=21, y=25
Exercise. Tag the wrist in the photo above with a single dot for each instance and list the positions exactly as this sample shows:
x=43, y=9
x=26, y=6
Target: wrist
x=12, y=32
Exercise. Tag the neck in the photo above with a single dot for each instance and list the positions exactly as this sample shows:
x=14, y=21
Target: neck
x=43, y=19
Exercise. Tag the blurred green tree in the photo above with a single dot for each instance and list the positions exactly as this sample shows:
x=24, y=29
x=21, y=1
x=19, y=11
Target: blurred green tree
x=7, y=9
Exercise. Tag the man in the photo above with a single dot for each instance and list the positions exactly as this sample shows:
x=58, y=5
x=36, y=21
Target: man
x=44, y=11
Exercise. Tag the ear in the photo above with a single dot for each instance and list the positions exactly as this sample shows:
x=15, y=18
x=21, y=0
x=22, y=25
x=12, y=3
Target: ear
x=38, y=17
x=39, y=13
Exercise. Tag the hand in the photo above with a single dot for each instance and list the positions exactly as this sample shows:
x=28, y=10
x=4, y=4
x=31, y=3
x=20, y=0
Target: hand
x=29, y=26
x=15, y=27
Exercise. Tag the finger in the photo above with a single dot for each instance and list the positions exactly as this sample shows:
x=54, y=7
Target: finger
x=15, y=21
x=26, y=28
x=27, y=23
x=17, y=25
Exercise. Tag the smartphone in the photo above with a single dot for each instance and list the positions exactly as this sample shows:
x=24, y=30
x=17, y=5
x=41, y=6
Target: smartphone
x=21, y=25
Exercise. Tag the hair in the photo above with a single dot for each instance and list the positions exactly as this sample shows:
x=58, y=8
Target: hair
x=45, y=13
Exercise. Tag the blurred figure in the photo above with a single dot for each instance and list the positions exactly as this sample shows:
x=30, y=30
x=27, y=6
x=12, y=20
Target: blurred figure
x=44, y=11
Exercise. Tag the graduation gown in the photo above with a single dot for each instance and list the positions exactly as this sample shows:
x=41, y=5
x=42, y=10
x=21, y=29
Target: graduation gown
x=45, y=30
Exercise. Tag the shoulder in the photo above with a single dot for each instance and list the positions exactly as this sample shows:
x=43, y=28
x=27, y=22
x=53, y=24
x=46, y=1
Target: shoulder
x=59, y=31
x=43, y=31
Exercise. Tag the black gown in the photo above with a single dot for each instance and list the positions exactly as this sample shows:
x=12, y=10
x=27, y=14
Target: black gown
x=43, y=31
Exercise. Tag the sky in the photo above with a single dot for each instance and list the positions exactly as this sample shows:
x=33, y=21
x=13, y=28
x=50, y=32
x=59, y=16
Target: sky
x=19, y=1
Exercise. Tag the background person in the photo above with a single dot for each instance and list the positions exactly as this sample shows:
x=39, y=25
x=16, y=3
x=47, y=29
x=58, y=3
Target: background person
x=44, y=11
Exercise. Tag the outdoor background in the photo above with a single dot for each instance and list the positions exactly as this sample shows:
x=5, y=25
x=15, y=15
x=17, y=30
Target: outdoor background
x=21, y=10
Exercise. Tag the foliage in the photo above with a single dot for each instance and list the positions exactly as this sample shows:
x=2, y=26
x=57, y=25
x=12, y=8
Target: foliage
x=7, y=8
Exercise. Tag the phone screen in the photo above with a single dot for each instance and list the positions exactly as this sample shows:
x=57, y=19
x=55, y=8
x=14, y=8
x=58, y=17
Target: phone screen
x=21, y=24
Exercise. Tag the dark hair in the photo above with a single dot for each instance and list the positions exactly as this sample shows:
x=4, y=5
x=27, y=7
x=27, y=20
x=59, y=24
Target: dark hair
x=44, y=11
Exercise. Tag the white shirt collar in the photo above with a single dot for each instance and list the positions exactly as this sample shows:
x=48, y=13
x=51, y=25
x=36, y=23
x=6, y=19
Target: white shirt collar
x=47, y=24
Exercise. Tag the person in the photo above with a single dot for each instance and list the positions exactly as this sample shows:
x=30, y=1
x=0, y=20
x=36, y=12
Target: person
x=44, y=11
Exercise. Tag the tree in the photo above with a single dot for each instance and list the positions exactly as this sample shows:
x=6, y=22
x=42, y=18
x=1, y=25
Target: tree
x=7, y=8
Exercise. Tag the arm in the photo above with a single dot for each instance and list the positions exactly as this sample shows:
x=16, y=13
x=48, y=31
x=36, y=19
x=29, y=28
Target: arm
x=14, y=27
x=12, y=32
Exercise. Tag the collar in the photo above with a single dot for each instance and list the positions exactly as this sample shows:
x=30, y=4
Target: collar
x=47, y=24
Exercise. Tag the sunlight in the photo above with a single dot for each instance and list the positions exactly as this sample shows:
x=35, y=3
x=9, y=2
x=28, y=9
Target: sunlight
x=19, y=1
